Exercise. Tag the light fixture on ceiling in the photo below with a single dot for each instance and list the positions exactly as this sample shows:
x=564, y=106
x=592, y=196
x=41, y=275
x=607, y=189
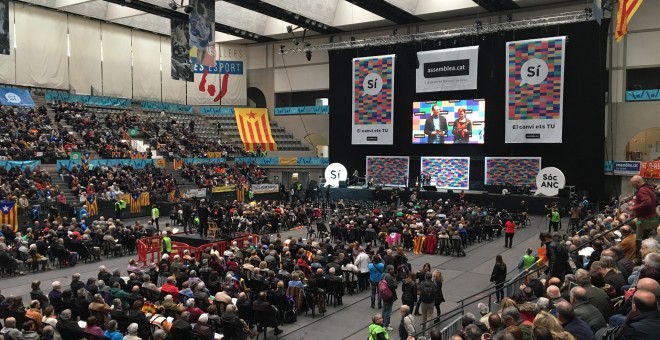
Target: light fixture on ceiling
x=308, y=55
x=282, y=49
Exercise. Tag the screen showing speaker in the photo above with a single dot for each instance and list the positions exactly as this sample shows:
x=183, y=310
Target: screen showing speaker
x=460, y=121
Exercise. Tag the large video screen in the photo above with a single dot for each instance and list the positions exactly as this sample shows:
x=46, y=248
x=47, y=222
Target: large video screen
x=449, y=122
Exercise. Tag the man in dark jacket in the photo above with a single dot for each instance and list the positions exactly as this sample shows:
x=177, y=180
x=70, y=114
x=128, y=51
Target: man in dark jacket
x=586, y=311
x=233, y=325
x=572, y=324
x=387, y=303
x=181, y=328
x=265, y=314
x=68, y=328
x=595, y=295
x=644, y=320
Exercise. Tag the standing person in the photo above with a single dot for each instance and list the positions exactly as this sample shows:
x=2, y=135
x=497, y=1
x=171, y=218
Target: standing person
x=435, y=126
x=526, y=260
x=462, y=129
x=167, y=242
x=218, y=126
x=643, y=207
x=187, y=223
x=376, y=269
x=421, y=276
x=391, y=283
x=155, y=214
x=509, y=231
x=117, y=209
x=362, y=263
x=191, y=126
x=574, y=220
x=439, y=297
x=498, y=277
x=554, y=220
x=407, y=325
x=376, y=329
x=409, y=291
x=427, y=292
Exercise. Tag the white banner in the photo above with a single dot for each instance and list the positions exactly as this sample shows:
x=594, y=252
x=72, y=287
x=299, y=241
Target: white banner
x=450, y=69
x=200, y=193
x=534, y=90
x=233, y=61
x=373, y=99
x=265, y=188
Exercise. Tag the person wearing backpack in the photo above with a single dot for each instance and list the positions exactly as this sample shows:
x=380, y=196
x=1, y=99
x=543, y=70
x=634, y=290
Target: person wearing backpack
x=387, y=289
x=427, y=291
x=376, y=269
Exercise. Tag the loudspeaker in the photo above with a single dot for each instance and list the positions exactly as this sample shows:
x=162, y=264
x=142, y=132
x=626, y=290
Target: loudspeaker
x=343, y=184
x=430, y=188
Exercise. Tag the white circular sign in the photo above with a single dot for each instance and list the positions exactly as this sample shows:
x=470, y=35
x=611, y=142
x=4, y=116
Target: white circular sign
x=549, y=181
x=533, y=71
x=334, y=173
x=372, y=84
x=12, y=98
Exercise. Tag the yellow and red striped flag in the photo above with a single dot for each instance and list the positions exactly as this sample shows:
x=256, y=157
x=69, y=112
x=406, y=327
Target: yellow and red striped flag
x=135, y=203
x=254, y=128
x=178, y=163
x=624, y=13
x=92, y=208
x=8, y=214
x=145, y=199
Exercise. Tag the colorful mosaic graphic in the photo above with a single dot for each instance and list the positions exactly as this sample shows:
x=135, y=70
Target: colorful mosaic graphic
x=448, y=172
x=512, y=170
x=373, y=109
x=391, y=171
x=526, y=60
x=475, y=112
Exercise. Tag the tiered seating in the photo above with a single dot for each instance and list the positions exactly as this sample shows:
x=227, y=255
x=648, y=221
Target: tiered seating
x=285, y=141
x=212, y=175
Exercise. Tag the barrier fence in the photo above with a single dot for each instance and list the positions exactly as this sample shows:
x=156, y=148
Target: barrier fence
x=149, y=249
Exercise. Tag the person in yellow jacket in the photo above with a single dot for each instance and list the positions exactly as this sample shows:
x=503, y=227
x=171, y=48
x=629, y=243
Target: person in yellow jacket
x=167, y=242
x=155, y=214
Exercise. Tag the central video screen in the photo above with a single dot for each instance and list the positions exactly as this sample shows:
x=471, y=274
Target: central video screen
x=449, y=122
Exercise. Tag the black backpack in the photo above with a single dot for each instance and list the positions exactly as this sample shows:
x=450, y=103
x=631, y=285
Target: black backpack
x=427, y=290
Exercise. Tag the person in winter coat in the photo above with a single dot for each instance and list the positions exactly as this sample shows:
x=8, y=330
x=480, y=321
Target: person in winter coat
x=388, y=276
x=409, y=291
x=498, y=277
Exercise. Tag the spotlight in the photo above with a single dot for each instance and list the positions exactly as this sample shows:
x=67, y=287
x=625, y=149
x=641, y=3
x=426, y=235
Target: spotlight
x=289, y=29
x=281, y=49
x=172, y=5
x=308, y=54
x=187, y=9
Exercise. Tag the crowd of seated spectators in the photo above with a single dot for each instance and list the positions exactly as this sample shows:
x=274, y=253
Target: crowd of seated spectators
x=29, y=134
x=110, y=181
x=207, y=175
x=104, y=135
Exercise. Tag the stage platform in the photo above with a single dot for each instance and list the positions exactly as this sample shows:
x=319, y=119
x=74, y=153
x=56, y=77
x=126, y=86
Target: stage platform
x=194, y=240
x=535, y=204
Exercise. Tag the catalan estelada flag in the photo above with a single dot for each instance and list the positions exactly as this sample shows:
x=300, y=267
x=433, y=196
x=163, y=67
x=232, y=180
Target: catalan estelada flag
x=418, y=242
x=624, y=13
x=254, y=128
x=8, y=214
x=145, y=199
x=135, y=203
x=92, y=208
x=178, y=163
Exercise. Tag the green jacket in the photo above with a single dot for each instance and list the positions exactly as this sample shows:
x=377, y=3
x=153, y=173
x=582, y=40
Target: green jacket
x=554, y=216
x=155, y=213
x=528, y=261
x=375, y=330
x=123, y=204
x=167, y=244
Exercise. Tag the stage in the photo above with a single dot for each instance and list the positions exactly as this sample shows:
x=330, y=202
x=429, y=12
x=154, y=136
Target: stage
x=194, y=240
x=535, y=204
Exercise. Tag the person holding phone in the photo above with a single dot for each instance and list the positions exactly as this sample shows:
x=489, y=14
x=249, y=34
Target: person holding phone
x=435, y=126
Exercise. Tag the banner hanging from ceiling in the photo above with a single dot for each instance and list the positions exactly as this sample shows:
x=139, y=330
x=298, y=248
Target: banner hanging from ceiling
x=450, y=69
x=535, y=90
x=4, y=27
x=202, y=32
x=232, y=62
x=182, y=67
x=373, y=99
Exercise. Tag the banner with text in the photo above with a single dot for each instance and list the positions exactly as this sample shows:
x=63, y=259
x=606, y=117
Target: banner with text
x=373, y=99
x=535, y=90
x=4, y=27
x=265, y=188
x=626, y=168
x=650, y=169
x=450, y=69
x=12, y=96
x=199, y=193
x=232, y=61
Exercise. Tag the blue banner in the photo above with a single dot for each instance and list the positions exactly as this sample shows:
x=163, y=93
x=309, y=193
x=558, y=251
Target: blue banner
x=52, y=96
x=12, y=96
x=642, y=95
x=21, y=164
x=627, y=168
x=302, y=110
x=222, y=67
x=216, y=110
x=257, y=160
x=135, y=163
x=204, y=160
x=313, y=161
x=169, y=107
x=608, y=167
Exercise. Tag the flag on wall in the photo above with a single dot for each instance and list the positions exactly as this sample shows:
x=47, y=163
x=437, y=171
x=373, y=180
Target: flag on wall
x=75, y=155
x=178, y=163
x=624, y=13
x=92, y=208
x=8, y=214
x=4, y=27
x=86, y=156
x=135, y=203
x=145, y=199
x=254, y=128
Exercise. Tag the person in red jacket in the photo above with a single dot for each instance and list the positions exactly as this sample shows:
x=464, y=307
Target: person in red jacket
x=644, y=208
x=509, y=230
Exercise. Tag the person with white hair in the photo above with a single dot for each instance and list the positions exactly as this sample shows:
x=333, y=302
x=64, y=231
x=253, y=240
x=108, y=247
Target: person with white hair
x=132, y=331
x=202, y=328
